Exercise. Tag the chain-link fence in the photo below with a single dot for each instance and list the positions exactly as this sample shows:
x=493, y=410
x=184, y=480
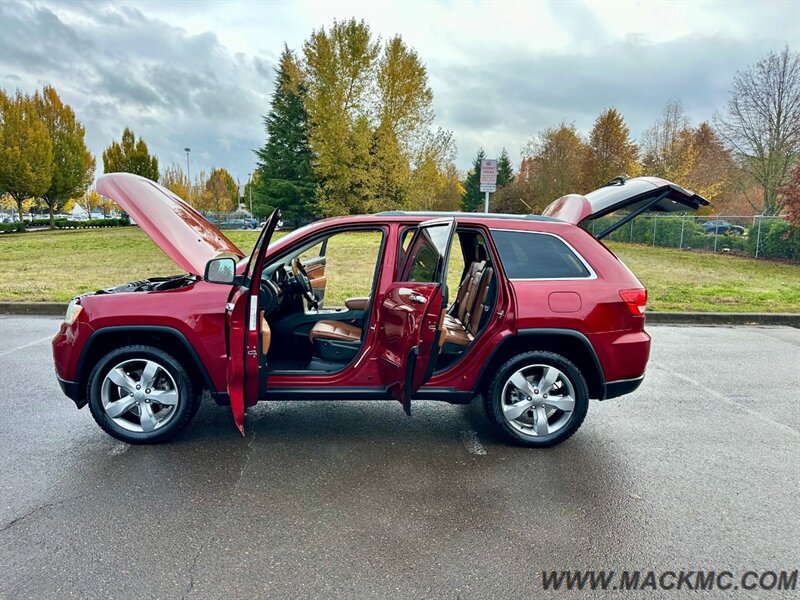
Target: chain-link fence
x=754, y=235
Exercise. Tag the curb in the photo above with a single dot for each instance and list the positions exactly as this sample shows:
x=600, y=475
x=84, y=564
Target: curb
x=653, y=318
x=704, y=318
x=33, y=308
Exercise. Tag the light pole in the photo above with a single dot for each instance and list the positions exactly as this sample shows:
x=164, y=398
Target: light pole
x=250, y=187
x=188, y=171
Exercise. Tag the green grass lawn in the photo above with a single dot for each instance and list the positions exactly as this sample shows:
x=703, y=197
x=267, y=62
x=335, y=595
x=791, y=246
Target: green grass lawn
x=56, y=265
x=680, y=280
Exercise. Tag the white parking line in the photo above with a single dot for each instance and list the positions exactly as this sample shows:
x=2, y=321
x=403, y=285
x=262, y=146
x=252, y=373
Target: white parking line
x=722, y=397
x=18, y=348
x=472, y=443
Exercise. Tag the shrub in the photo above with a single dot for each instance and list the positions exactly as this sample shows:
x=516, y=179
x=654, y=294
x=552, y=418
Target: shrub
x=63, y=224
x=11, y=227
x=778, y=240
x=667, y=231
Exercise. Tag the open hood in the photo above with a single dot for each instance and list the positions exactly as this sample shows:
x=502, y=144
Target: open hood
x=637, y=195
x=179, y=230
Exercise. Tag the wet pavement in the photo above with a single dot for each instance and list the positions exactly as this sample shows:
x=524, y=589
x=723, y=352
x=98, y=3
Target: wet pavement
x=697, y=469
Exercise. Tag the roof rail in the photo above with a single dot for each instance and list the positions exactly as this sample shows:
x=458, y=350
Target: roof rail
x=473, y=215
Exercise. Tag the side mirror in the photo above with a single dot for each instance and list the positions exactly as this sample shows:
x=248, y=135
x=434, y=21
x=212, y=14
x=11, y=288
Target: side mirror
x=221, y=270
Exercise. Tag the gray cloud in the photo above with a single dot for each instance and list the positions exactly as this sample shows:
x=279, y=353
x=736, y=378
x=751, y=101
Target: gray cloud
x=120, y=65
x=514, y=97
x=119, y=68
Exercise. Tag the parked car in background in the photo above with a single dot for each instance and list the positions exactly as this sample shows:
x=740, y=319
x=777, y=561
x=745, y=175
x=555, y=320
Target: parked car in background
x=277, y=227
x=238, y=224
x=545, y=316
x=720, y=227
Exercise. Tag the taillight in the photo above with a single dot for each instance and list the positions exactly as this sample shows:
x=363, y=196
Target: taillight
x=636, y=300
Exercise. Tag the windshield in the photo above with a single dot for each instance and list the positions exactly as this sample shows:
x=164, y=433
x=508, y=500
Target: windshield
x=299, y=232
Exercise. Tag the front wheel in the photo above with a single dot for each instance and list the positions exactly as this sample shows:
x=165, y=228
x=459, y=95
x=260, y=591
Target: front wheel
x=537, y=399
x=141, y=395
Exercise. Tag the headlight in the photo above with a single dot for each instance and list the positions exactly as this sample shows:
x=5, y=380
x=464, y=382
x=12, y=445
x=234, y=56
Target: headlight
x=73, y=310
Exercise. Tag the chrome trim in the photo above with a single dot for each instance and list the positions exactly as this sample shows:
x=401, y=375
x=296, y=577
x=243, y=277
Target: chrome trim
x=592, y=273
x=626, y=380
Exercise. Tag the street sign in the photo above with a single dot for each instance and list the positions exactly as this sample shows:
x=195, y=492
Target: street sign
x=488, y=171
x=488, y=179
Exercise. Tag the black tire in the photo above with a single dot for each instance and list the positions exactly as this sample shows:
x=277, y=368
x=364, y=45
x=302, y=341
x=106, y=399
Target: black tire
x=188, y=398
x=493, y=399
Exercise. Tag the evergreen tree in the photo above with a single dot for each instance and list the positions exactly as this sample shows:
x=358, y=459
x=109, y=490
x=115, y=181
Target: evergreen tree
x=473, y=197
x=284, y=178
x=505, y=172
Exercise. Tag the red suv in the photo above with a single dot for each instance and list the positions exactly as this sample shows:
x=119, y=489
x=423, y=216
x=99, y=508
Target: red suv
x=530, y=311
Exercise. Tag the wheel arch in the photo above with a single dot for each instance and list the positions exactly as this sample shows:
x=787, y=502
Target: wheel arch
x=569, y=343
x=168, y=339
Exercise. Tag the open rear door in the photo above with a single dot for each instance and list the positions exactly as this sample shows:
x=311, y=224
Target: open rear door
x=244, y=329
x=629, y=197
x=410, y=314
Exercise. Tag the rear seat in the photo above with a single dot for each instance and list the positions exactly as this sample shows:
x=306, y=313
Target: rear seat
x=461, y=327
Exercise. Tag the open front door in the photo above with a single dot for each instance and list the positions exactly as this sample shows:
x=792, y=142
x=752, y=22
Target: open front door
x=411, y=312
x=245, y=328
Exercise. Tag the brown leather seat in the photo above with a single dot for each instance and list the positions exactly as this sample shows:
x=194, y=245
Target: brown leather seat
x=460, y=328
x=335, y=330
x=266, y=335
x=357, y=303
x=463, y=297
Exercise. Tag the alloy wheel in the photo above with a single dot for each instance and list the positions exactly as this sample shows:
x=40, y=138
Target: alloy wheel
x=538, y=400
x=139, y=395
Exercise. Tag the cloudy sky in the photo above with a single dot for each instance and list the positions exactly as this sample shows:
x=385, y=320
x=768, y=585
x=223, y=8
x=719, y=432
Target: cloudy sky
x=199, y=74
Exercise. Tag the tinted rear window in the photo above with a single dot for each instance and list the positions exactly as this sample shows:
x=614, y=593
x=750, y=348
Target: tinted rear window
x=527, y=255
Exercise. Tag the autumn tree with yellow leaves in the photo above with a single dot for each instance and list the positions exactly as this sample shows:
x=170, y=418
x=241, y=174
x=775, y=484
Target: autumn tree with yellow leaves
x=73, y=164
x=26, y=150
x=370, y=122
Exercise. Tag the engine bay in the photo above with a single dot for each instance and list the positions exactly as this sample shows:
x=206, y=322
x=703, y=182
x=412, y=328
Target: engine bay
x=153, y=284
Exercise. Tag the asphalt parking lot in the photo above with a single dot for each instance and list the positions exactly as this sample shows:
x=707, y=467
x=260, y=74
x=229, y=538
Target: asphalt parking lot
x=698, y=469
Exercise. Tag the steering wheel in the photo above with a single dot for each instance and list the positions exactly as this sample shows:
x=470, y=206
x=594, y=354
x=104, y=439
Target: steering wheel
x=304, y=282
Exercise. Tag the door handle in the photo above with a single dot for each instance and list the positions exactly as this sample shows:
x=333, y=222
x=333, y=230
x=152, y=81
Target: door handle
x=417, y=298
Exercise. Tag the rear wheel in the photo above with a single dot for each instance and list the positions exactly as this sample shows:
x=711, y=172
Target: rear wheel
x=141, y=395
x=537, y=399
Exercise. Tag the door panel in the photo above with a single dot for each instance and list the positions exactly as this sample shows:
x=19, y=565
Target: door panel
x=240, y=363
x=244, y=330
x=409, y=314
x=409, y=324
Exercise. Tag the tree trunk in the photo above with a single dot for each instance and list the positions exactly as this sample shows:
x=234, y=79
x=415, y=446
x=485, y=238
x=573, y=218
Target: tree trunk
x=52, y=217
x=770, y=200
x=19, y=207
